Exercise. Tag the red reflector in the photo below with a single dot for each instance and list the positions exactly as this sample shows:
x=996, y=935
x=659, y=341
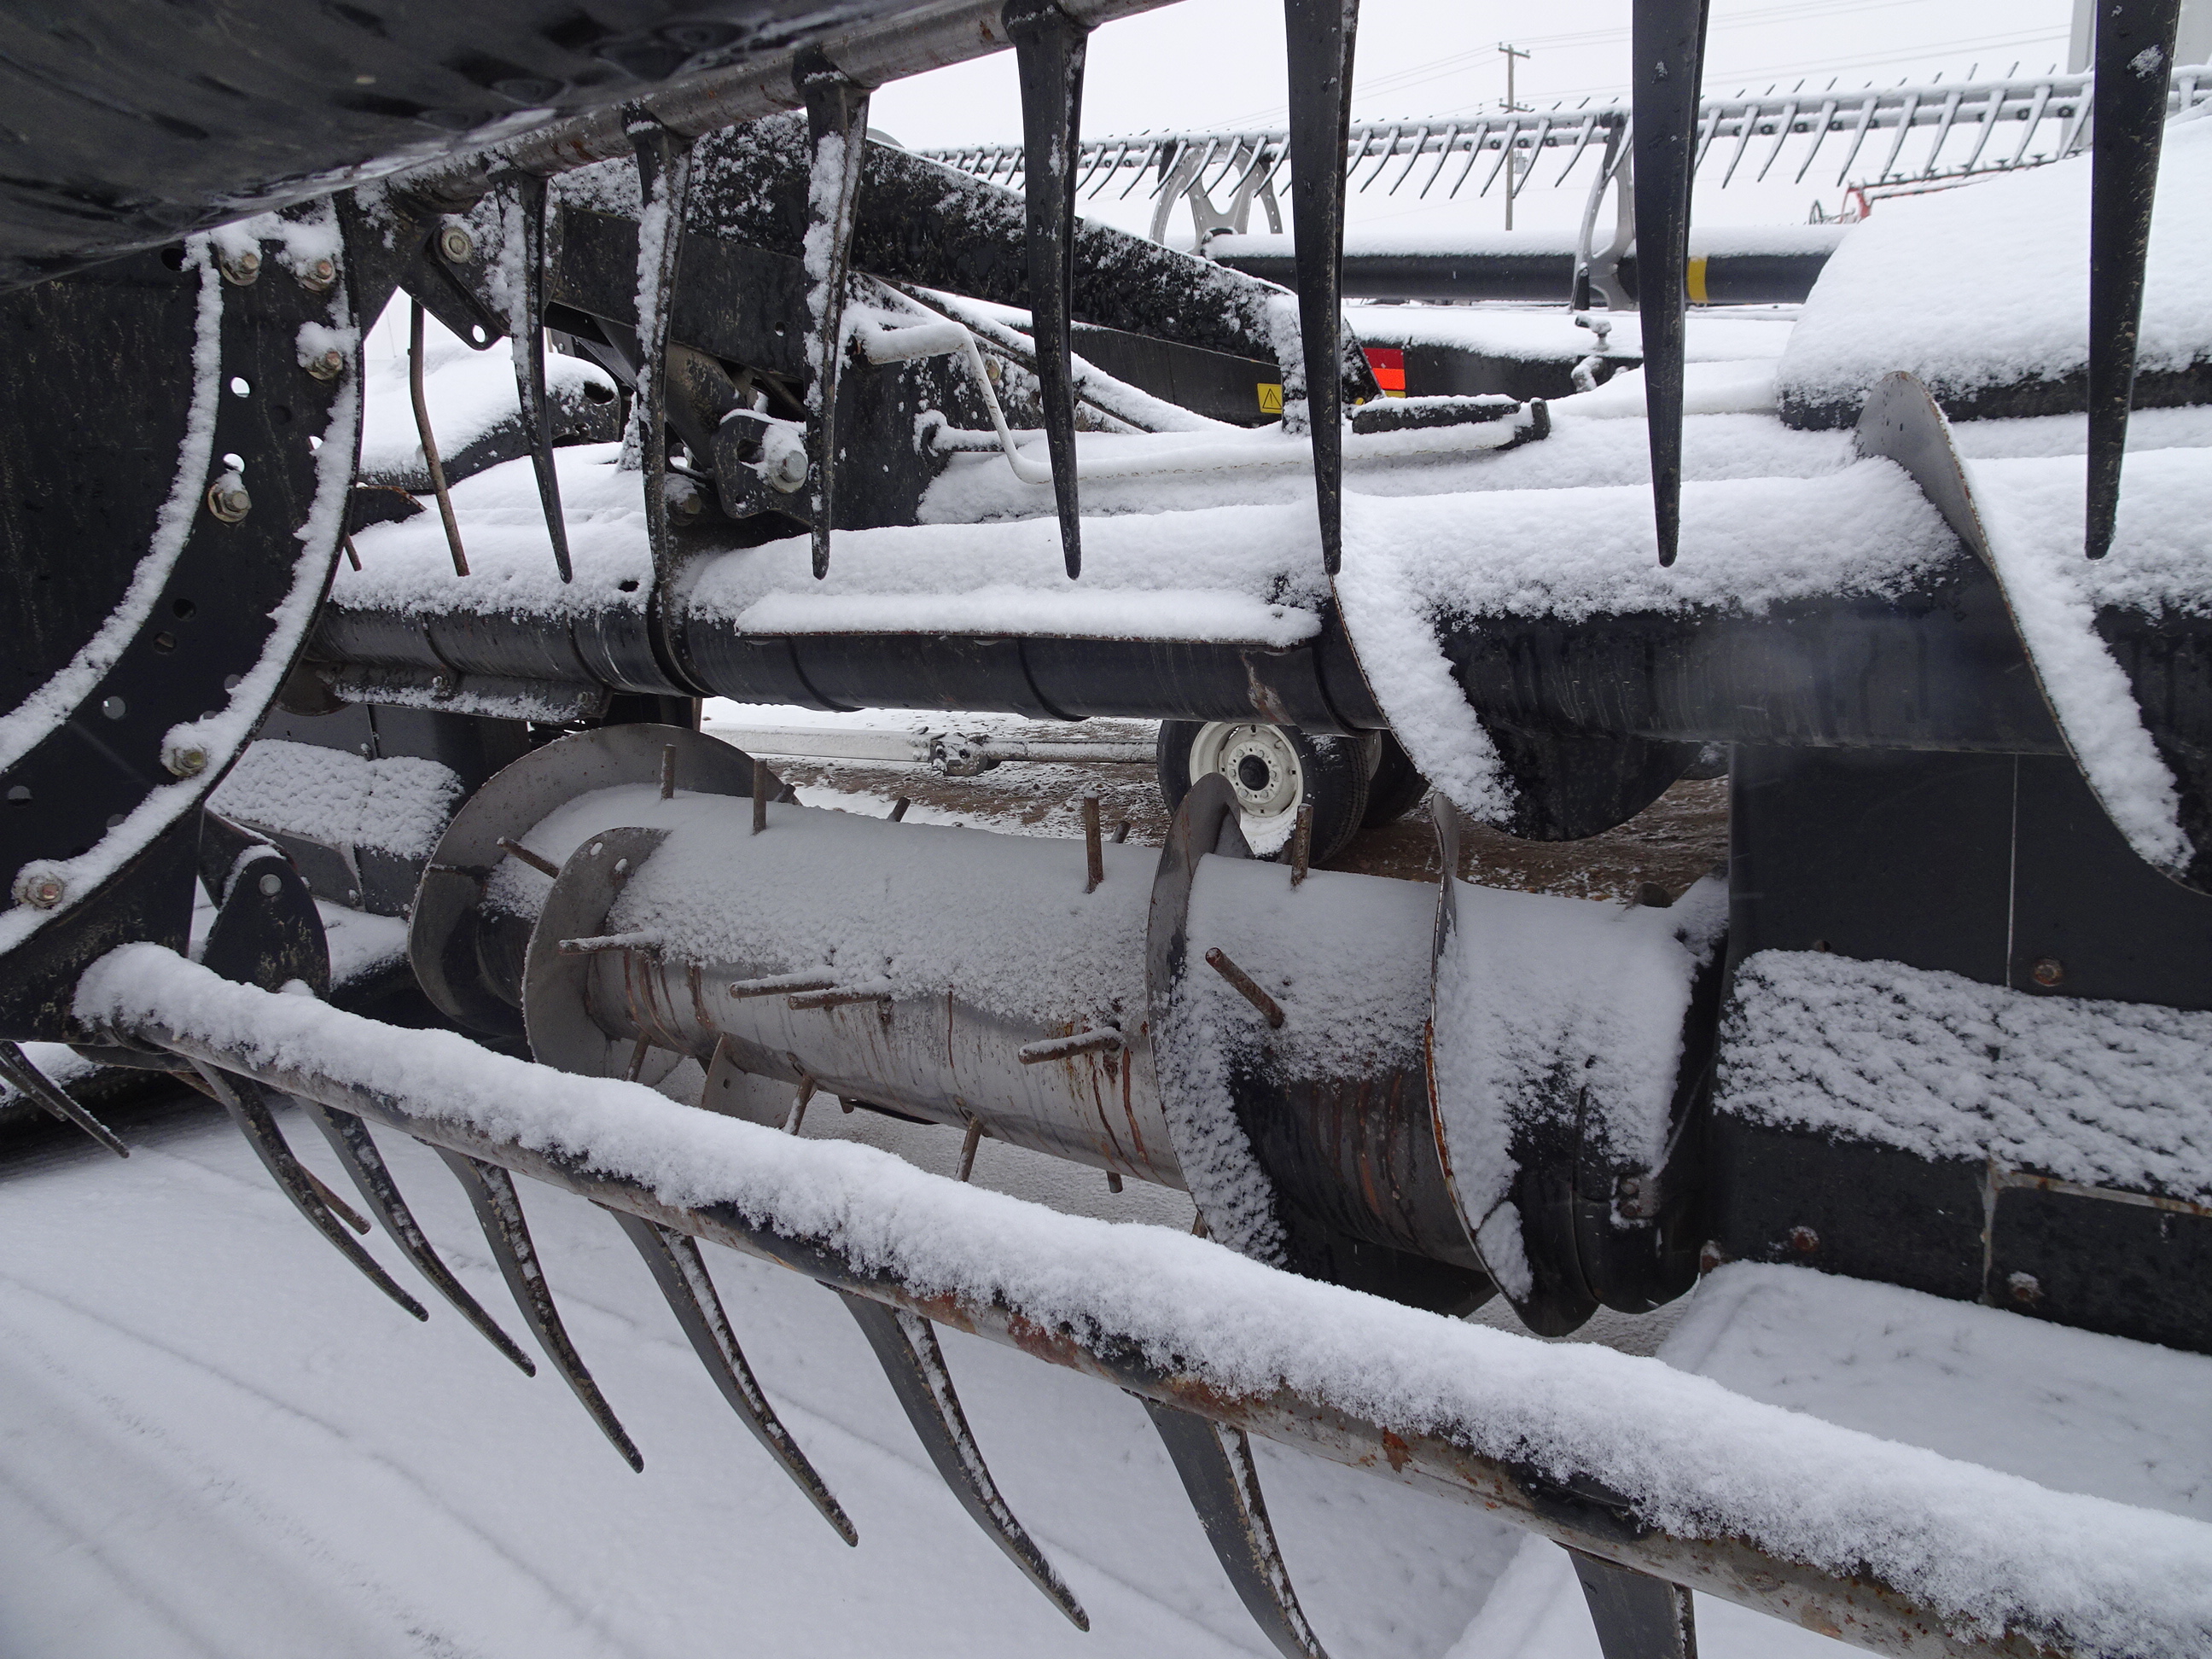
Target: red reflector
x=1389, y=363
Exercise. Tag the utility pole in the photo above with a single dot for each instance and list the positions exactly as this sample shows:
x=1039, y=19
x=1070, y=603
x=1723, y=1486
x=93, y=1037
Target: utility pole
x=1512, y=154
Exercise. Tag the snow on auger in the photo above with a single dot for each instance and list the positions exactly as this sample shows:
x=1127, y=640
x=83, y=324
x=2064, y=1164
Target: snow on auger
x=901, y=437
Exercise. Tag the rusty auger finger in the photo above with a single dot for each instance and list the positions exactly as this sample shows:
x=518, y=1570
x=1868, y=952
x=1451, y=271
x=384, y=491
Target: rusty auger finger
x=16, y=1071
x=678, y=1269
x=248, y=1104
x=499, y=1212
x=906, y=1346
x=1215, y=1463
x=364, y=1165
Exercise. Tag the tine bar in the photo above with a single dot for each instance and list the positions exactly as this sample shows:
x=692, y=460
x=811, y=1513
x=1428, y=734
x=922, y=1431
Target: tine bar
x=1048, y=54
x=837, y=127
x=1636, y=1616
x=2134, y=60
x=1215, y=1464
x=17, y=1069
x=247, y=1102
x=905, y=1346
x=525, y=332
x=677, y=1268
x=364, y=1164
x=499, y=1212
x=1669, y=44
x=664, y=186
x=1320, y=39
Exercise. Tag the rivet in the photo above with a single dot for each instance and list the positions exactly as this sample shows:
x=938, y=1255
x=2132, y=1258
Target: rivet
x=114, y=708
x=228, y=504
x=457, y=244
x=240, y=269
x=271, y=884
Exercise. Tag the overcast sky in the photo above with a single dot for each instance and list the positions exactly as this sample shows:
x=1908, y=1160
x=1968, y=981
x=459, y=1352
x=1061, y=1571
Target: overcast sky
x=1205, y=64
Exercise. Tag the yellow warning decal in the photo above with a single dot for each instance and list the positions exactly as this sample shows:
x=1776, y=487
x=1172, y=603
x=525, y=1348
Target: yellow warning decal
x=1697, y=275
x=1271, y=396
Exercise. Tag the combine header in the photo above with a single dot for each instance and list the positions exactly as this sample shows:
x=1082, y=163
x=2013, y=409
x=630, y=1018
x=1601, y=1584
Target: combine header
x=892, y=434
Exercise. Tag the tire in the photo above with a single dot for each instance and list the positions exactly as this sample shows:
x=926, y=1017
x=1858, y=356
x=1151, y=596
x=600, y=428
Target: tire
x=1397, y=787
x=1276, y=768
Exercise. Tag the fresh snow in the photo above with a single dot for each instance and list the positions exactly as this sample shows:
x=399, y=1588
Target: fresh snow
x=397, y=805
x=2108, y=1094
x=1989, y=285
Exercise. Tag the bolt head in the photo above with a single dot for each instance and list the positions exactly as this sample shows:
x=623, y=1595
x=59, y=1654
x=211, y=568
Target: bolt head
x=441, y=685
x=230, y=503
x=319, y=275
x=457, y=244
x=2024, y=1288
x=40, y=892
x=1804, y=1240
x=329, y=366
x=271, y=884
x=2049, y=970
x=240, y=269
x=185, y=760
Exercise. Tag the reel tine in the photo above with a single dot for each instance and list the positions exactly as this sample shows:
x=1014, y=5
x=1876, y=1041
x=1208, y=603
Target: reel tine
x=1215, y=1463
x=1049, y=53
x=349, y=1138
x=248, y=1104
x=906, y=1347
x=674, y=1261
x=1670, y=50
x=2134, y=59
x=17, y=1071
x=420, y=399
x=837, y=127
x=664, y=185
x=526, y=333
x=1636, y=1616
x=1320, y=38
x=499, y=1212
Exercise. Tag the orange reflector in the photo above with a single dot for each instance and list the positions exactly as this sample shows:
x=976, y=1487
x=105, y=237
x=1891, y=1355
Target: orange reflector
x=1389, y=363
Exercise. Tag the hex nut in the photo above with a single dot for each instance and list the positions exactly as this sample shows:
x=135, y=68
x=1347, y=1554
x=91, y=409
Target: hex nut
x=329, y=366
x=2049, y=970
x=185, y=760
x=39, y=890
x=230, y=503
x=317, y=276
x=457, y=244
x=240, y=269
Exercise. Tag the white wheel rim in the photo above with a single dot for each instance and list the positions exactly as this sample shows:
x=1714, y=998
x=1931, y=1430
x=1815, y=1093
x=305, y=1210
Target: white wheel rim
x=1263, y=769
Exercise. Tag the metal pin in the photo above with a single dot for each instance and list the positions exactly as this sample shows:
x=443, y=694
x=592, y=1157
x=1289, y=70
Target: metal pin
x=668, y=771
x=1246, y=986
x=1083, y=1043
x=1112, y=1181
x=1094, y=855
x=838, y=996
x=1120, y=832
x=1302, y=843
x=537, y=861
x=968, y=1145
x=797, y=1113
x=898, y=808
x=352, y=557
x=762, y=780
x=638, y=1051
x=777, y=984
x=430, y=443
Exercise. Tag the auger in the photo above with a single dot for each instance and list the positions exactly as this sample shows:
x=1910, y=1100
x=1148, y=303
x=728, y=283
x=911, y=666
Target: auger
x=896, y=435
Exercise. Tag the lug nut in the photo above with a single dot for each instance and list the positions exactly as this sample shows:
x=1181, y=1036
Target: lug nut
x=228, y=502
x=186, y=760
x=457, y=244
x=240, y=269
x=329, y=366
x=317, y=276
x=40, y=892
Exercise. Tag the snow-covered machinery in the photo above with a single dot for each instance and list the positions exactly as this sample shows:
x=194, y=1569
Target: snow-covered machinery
x=900, y=437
